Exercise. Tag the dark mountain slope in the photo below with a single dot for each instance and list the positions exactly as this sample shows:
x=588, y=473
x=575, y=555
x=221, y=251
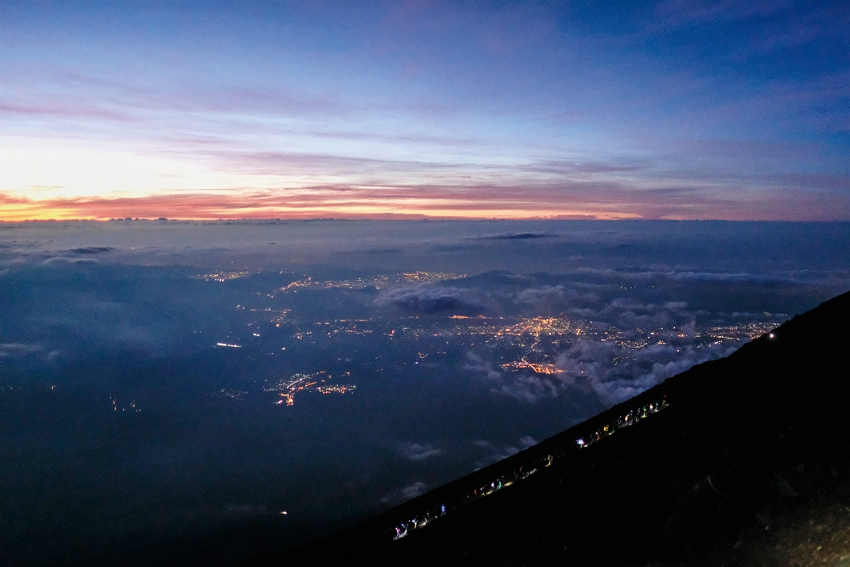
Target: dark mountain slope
x=743, y=441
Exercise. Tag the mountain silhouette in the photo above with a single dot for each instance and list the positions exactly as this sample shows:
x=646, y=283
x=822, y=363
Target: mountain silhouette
x=686, y=470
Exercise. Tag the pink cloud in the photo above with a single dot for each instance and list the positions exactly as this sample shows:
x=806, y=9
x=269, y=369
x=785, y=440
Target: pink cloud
x=62, y=110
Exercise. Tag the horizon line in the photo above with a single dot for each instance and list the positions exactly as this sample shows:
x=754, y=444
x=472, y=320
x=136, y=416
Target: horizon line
x=402, y=217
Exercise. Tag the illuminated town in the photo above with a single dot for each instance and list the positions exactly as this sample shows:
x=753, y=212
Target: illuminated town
x=126, y=407
x=377, y=282
x=515, y=344
x=221, y=276
x=288, y=387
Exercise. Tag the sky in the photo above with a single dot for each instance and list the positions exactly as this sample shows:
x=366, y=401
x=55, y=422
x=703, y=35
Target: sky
x=679, y=109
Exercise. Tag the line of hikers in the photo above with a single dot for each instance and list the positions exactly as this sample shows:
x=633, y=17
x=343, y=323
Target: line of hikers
x=634, y=416
x=421, y=520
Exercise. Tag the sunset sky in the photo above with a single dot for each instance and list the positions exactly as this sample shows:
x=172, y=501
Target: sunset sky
x=678, y=109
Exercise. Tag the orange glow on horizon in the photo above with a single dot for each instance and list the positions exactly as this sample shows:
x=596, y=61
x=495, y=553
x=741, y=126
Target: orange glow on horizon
x=203, y=207
x=402, y=203
x=71, y=215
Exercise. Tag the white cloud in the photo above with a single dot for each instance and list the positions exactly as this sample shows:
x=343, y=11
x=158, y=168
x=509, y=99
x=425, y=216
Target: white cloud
x=417, y=452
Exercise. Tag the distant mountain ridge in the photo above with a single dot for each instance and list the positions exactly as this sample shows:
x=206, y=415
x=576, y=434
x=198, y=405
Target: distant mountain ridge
x=739, y=441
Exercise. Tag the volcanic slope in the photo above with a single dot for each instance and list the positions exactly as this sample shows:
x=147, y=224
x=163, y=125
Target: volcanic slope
x=738, y=447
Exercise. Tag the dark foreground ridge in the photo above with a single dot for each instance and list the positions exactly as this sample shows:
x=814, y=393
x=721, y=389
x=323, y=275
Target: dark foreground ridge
x=719, y=455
